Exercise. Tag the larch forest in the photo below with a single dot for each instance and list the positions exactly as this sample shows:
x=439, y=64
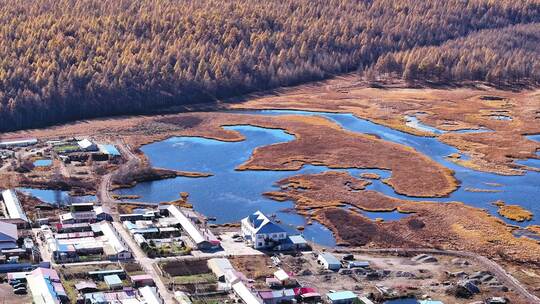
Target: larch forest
x=62, y=60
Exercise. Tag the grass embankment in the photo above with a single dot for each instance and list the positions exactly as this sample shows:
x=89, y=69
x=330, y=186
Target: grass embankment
x=513, y=212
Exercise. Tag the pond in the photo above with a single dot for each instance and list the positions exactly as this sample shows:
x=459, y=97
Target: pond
x=57, y=197
x=43, y=163
x=230, y=195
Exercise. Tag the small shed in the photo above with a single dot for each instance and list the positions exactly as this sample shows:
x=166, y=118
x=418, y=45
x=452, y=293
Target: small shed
x=113, y=281
x=142, y=280
x=220, y=267
x=86, y=287
x=329, y=261
x=281, y=276
x=342, y=297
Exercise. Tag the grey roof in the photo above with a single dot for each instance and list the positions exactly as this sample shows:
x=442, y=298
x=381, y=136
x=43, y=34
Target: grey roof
x=8, y=232
x=13, y=205
x=112, y=279
x=297, y=239
x=330, y=258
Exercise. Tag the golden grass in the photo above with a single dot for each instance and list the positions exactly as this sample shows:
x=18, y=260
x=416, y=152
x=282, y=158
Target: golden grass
x=515, y=213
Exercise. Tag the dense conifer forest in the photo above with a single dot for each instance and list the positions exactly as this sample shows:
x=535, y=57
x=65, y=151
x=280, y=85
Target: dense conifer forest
x=62, y=60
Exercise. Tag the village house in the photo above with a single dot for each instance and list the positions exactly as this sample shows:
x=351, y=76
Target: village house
x=46, y=287
x=261, y=233
x=328, y=261
x=12, y=209
x=114, y=248
x=87, y=146
x=342, y=297
x=203, y=238
x=13, y=143
x=8, y=236
x=109, y=150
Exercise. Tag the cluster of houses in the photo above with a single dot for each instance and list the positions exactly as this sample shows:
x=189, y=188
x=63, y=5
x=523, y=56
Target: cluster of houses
x=85, y=241
x=164, y=228
x=121, y=288
x=46, y=287
x=281, y=288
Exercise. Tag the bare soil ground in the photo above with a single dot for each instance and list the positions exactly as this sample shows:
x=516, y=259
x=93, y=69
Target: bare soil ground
x=185, y=267
x=402, y=275
x=7, y=296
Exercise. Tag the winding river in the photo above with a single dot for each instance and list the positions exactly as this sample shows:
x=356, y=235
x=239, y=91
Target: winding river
x=230, y=195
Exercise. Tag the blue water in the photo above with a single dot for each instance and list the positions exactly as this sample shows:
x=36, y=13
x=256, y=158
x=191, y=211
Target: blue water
x=56, y=197
x=43, y=163
x=385, y=216
x=532, y=162
x=230, y=195
x=522, y=190
x=414, y=122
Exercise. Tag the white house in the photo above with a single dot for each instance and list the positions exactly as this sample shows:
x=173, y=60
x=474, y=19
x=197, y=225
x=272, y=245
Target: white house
x=261, y=232
x=87, y=145
x=115, y=248
x=329, y=261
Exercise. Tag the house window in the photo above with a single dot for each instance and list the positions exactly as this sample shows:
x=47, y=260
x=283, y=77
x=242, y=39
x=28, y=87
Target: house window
x=260, y=244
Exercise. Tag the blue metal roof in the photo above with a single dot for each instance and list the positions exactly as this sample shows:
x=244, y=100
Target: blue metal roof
x=271, y=228
x=110, y=149
x=255, y=221
x=341, y=295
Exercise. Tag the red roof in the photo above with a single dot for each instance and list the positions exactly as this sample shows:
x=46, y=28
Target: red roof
x=141, y=277
x=303, y=290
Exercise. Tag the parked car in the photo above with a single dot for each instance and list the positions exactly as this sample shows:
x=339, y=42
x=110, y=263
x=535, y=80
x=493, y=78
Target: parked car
x=20, y=291
x=14, y=282
x=348, y=257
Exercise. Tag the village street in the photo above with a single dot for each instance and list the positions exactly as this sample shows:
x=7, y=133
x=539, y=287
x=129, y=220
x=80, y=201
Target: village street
x=146, y=263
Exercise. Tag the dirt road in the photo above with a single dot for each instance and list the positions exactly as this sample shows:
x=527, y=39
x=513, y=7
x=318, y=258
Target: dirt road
x=103, y=192
x=149, y=265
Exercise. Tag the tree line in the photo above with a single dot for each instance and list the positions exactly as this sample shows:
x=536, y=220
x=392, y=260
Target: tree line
x=63, y=60
x=503, y=57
